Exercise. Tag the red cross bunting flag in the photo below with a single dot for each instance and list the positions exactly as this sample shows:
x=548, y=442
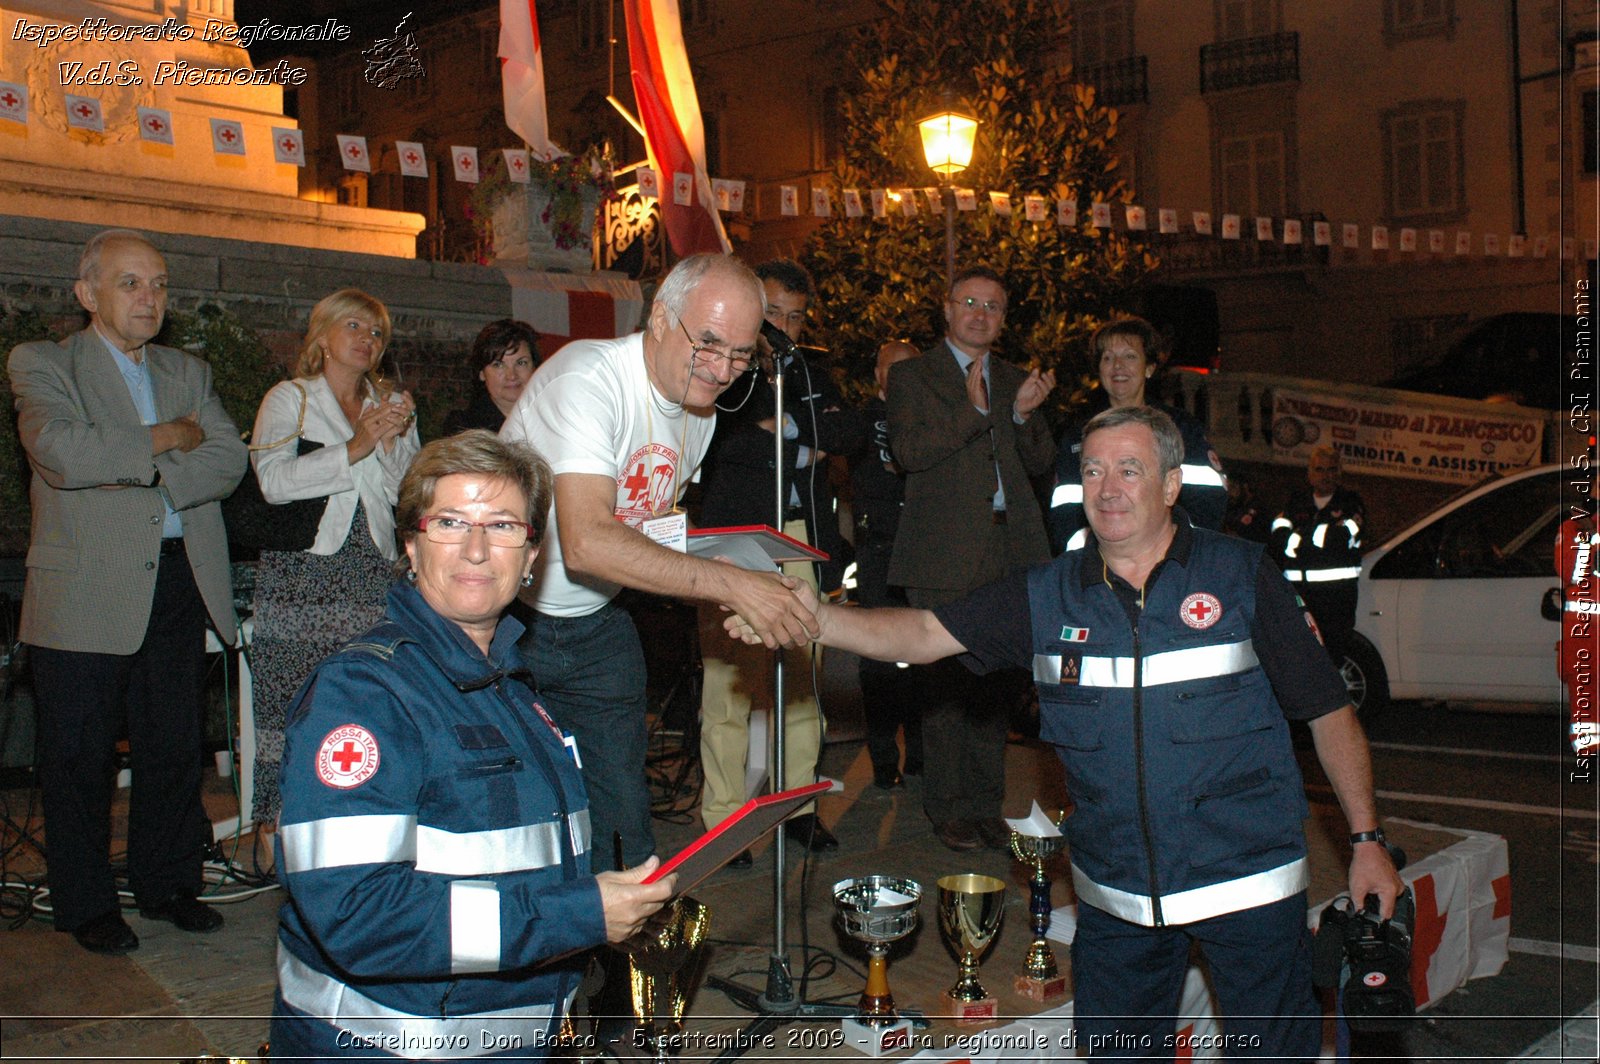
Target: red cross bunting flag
x=1167, y=220
x=1000, y=203
x=908, y=202
x=413, y=160
x=516, y=164
x=821, y=203
x=227, y=137
x=966, y=199
x=1292, y=231
x=1135, y=217
x=14, y=102
x=1033, y=208
x=788, y=200
x=465, y=162
x=649, y=182
x=353, y=152
x=83, y=112
x=1066, y=213
x=155, y=125
x=682, y=188
x=1100, y=214
x=852, y=203
x=1202, y=222
x=1230, y=227
x=288, y=146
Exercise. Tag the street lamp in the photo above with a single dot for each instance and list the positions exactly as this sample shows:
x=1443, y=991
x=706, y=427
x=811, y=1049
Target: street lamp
x=947, y=139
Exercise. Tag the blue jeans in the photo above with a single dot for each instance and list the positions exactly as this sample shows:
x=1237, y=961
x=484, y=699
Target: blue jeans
x=1128, y=979
x=589, y=674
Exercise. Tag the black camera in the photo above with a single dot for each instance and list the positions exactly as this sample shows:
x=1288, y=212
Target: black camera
x=1370, y=958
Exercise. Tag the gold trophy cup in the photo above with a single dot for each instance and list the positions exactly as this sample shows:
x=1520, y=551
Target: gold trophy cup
x=662, y=960
x=1041, y=979
x=970, y=908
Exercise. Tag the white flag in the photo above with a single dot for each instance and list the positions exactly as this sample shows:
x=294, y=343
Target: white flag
x=1491, y=243
x=649, y=182
x=852, y=203
x=1291, y=231
x=1351, y=234
x=227, y=137
x=155, y=125
x=1067, y=212
x=1100, y=215
x=413, y=159
x=1033, y=208
x=1408, y=239
x=880, y=202
x=1463, y=242
x=353, y=152
x=1135, y=217
x=1202, y=222
x=1380, y=238
x=1322, y=234
x=682, y=188
x=788, y=201
x=1263, y=227
x=966, y=199
x=1167, y=220
x=1436, y=241
x=83, y=112
x=288, y=146
x=1000, y=203
x=821, y=203
x=1230, y=226
x=464, y=160
x=14, y=102
x=908, y=202
x=516, y=164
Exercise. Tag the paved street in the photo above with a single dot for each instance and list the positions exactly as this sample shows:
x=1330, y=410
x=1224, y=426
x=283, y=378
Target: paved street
x=1503, y=773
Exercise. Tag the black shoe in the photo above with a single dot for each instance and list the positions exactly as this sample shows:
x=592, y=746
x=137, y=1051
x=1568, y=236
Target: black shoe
x=808, y=831
x=959, y=835
x=742, y=859
x=187, y=913
x=108, y=934
x=994, y=833
x=887, y=778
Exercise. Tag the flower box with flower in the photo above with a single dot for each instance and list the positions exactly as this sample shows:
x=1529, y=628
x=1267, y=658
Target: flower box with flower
x=547, y=223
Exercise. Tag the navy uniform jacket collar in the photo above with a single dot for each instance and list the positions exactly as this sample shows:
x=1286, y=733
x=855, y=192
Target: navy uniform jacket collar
x=448, y=646
x=1177, y=551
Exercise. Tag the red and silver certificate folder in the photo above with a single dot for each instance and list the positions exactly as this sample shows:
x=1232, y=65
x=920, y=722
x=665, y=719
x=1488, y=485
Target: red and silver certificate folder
x=737, y=832
x=759, y=547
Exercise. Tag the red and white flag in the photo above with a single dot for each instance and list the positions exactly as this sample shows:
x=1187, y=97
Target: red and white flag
x=83, y=112
x=465, y=162
x=353, y=152
x=288, y=146
x=517, y=164
x=413, y=159
x=663, y=88
x=522, y=77
x=227, y=137
x=14, y=102
x=155, y=125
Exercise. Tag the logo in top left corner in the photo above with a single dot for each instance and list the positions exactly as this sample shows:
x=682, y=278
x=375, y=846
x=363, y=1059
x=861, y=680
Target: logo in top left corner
x=348, y=757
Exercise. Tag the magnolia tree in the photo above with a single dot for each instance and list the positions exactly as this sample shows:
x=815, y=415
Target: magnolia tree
x=1039, y=133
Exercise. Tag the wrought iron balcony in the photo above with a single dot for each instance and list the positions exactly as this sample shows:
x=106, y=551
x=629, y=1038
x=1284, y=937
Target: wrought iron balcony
x=1119, y=82
x=1250, y=61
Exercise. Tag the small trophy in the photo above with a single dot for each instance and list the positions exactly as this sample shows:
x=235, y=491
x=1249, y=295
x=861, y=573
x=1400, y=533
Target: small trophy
x=662, y=959
x=1034, y=841
x=878, y=910
x=970, y=907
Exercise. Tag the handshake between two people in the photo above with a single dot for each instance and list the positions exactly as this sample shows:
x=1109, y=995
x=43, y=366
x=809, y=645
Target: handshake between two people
x=790, y=620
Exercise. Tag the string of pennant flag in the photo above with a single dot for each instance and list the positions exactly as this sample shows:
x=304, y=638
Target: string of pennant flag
x=288, y=148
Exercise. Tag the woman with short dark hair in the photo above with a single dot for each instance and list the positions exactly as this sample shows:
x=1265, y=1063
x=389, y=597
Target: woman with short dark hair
x=505, y=355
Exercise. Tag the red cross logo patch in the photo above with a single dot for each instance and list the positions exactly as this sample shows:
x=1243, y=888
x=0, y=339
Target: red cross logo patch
x=1200, y=610
x=348, y=757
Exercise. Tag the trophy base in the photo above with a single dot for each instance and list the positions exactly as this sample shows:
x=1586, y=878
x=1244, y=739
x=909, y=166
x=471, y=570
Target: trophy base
x=877, y=1041
x=1041, y=990
x=970, y=1013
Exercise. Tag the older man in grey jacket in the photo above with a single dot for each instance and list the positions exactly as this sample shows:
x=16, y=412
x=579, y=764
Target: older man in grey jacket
x=131, y=451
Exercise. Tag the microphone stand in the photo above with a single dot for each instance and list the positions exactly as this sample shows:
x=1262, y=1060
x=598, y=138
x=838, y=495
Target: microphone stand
x=777, y=1004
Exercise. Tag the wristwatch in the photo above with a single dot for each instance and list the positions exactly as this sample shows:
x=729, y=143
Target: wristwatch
x=1375, y=835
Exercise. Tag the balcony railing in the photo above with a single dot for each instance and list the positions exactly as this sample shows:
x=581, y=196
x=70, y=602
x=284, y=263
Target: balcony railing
x=1250, y=61
x=1118, y=83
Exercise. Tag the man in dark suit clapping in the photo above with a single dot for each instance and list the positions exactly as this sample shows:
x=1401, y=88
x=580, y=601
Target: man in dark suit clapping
x=965, y=427
x=131, y=451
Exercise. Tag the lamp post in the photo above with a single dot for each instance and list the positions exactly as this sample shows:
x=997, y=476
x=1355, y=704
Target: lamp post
x=947, y=139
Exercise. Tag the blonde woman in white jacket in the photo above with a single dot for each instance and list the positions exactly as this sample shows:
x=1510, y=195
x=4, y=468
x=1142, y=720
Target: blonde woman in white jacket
x=309, y=602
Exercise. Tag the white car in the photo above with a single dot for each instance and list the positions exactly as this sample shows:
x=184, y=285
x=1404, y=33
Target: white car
x=1457, y=607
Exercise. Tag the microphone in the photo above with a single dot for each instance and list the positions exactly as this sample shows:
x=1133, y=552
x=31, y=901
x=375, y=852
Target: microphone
x=781, y=344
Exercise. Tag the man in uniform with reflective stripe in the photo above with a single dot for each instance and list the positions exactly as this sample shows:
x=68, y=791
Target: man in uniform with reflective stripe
x=1169, y=660
x=1318, y=535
